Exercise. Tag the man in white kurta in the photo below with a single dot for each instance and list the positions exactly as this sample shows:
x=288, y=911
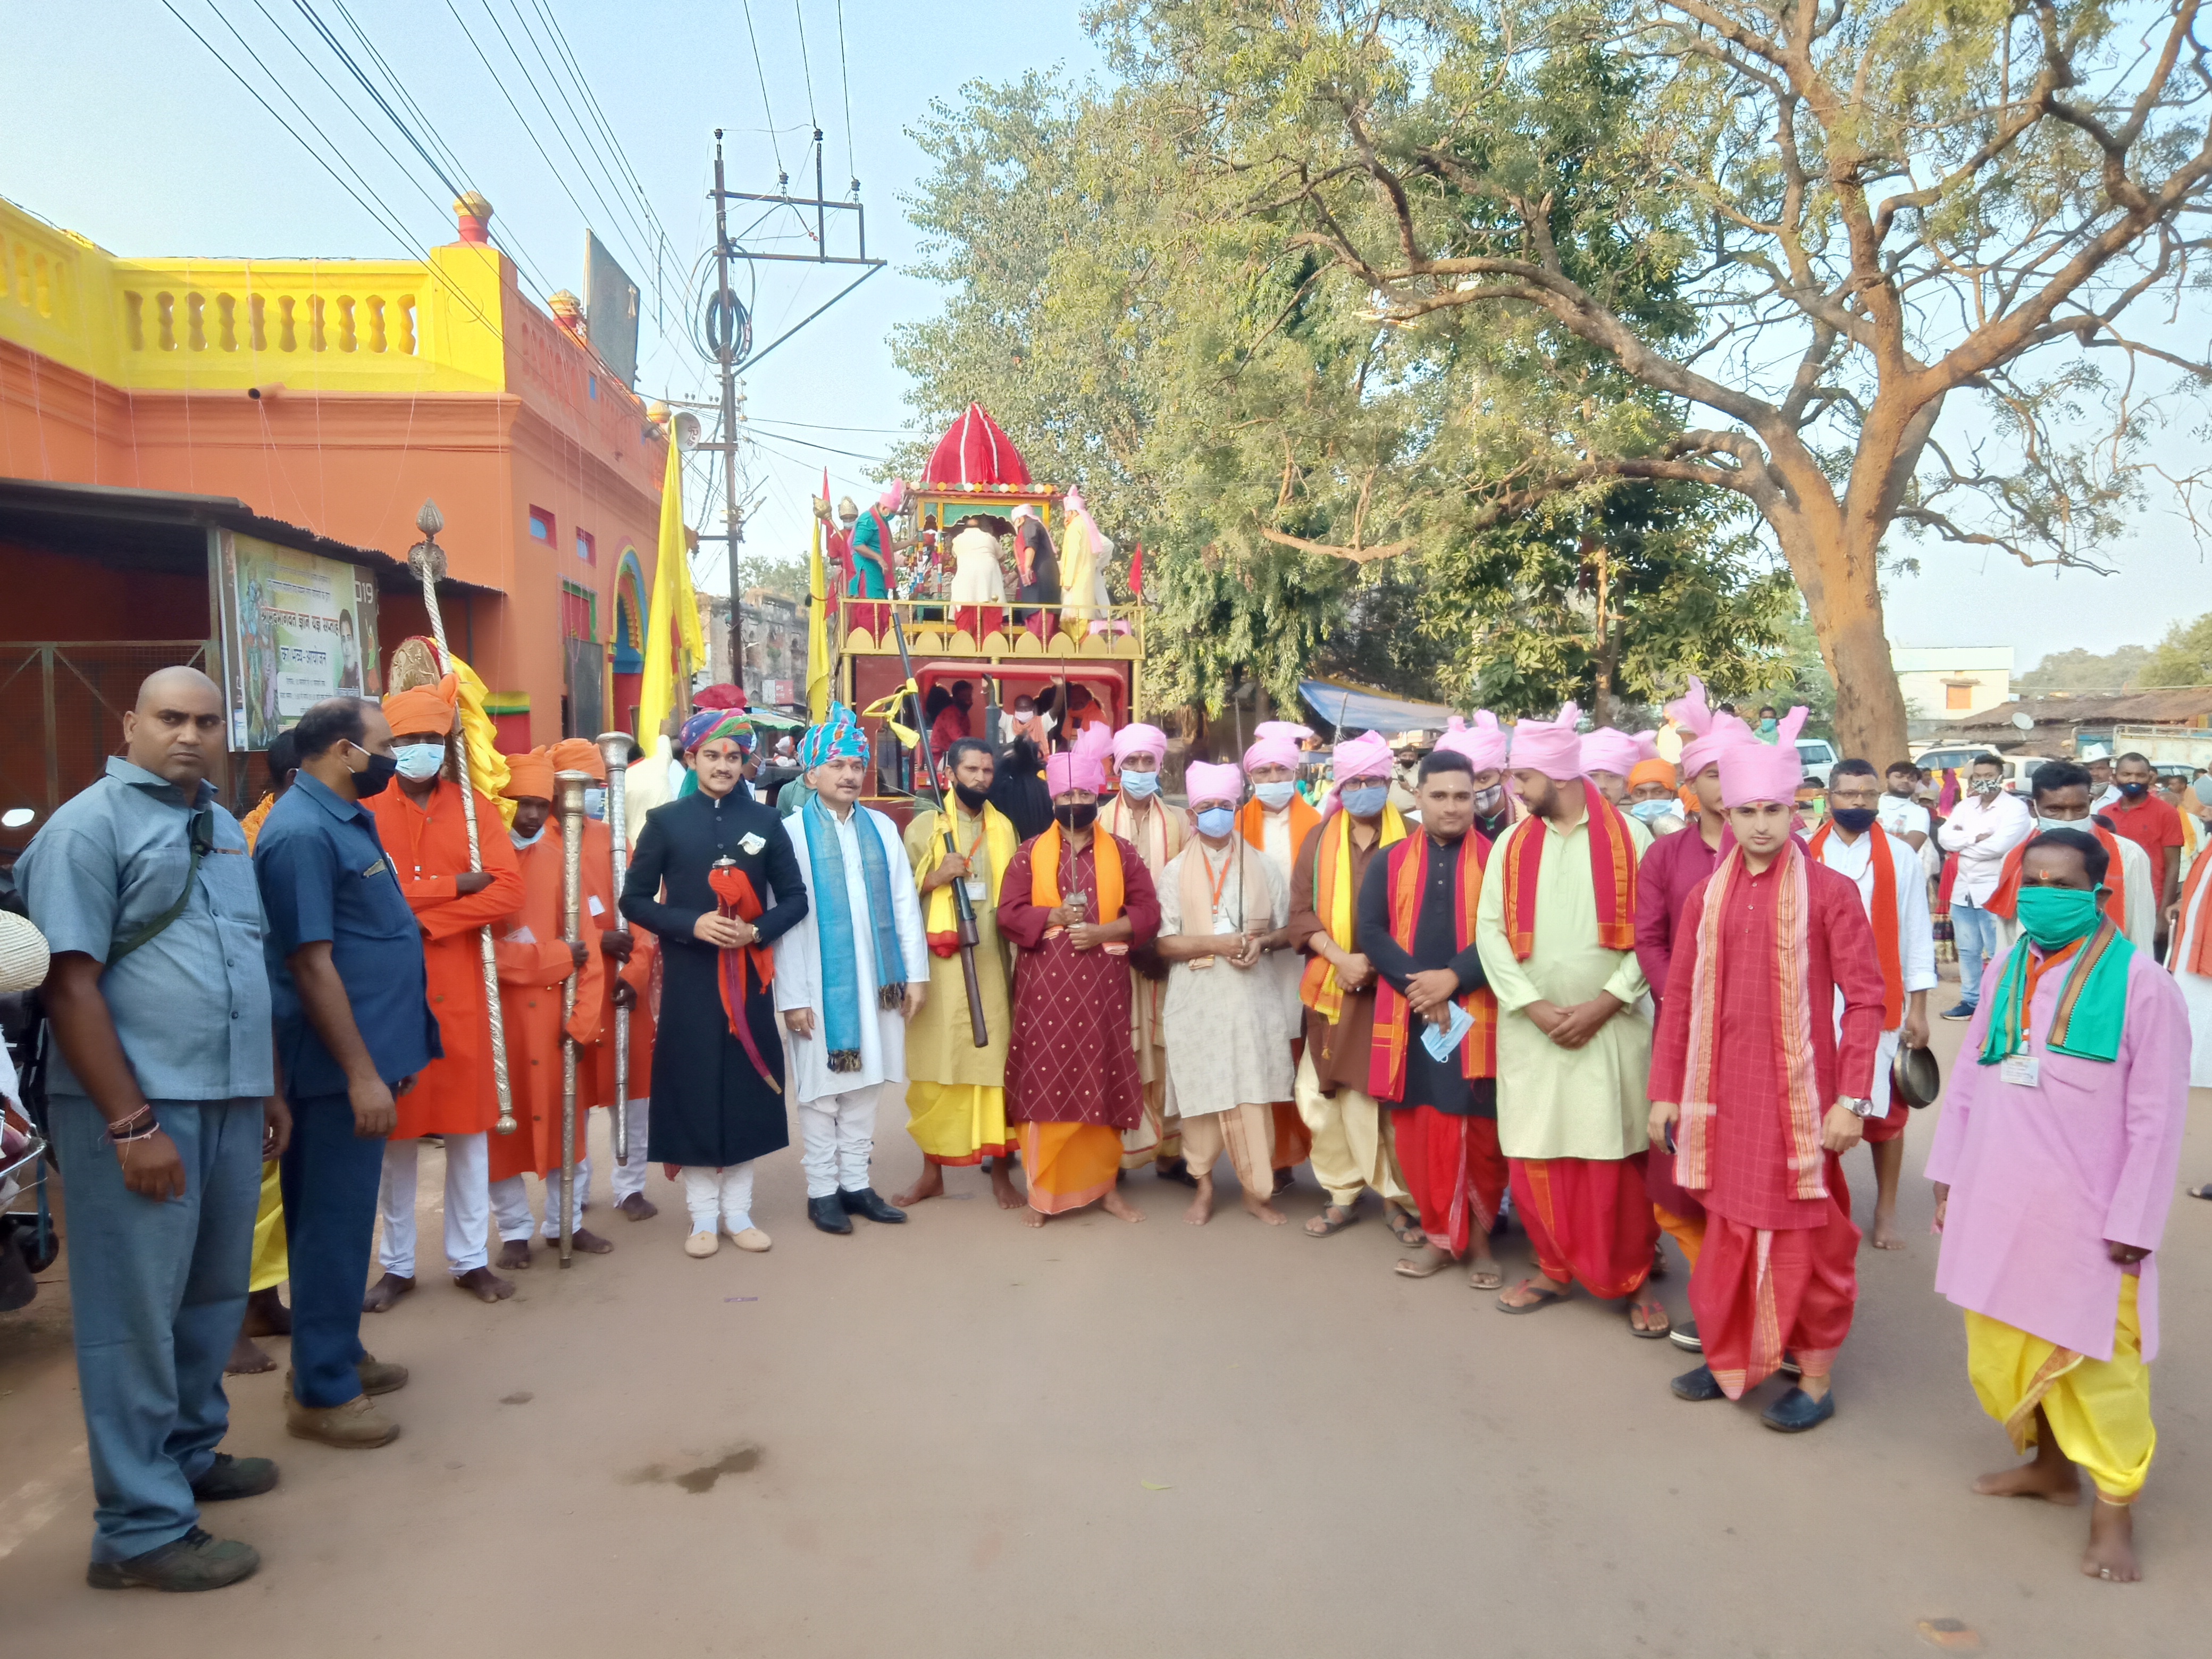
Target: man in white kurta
x=837, y=1108
x=1277, y=820
x=1137, y=813
x=1848, y=843
x=1574, y=1037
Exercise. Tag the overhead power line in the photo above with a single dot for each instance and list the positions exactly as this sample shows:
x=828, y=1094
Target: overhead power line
x=768, y=114
x=845, y=78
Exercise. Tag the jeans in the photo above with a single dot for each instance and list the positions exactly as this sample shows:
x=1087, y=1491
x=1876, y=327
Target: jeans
x=330, y=1176
x=1975, y=931
x=157, y=1291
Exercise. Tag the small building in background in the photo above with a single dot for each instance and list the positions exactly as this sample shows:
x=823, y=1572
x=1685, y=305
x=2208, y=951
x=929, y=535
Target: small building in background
x=1943, y=684
x=775, y=646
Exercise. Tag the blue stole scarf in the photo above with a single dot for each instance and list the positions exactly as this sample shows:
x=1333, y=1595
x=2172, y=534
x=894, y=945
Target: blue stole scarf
x=833, y=919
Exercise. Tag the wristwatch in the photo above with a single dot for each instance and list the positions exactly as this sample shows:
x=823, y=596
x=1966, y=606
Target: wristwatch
x=1858, y=1108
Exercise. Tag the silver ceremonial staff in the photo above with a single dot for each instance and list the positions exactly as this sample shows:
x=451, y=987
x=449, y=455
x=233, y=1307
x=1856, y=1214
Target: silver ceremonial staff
x=428, y=561
x=568, y=801
x=614, y=748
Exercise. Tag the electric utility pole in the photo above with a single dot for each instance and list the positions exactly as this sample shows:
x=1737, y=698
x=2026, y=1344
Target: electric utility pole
x=725, y=344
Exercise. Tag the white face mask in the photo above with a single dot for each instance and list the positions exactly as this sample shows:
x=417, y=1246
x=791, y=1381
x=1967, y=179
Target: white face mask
x=522, y=841
x=419, y=761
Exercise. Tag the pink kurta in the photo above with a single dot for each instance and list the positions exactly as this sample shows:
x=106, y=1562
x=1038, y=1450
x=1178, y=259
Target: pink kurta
x=2041, y=1177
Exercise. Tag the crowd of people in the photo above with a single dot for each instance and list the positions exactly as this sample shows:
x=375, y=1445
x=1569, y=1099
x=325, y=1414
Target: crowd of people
x=1544, y=973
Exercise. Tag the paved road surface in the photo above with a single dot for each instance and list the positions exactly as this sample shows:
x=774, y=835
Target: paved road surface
x=964, y=1438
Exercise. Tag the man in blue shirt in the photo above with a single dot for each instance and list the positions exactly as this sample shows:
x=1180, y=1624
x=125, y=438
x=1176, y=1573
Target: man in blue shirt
x=353, y=1028
x=162, y=1089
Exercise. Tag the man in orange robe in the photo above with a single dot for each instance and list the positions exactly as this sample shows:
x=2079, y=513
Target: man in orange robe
x=536, y=962
x=424, y=835
x=628, y=958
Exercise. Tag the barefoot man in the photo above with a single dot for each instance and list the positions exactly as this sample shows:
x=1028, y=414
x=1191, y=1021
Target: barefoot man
x=956, y=1093
x=1074, y=901
x=1228, y=1053
x=1885, y=869
x=1760, y=1089
x=2054, y=1164
x=1138, y=815
x=1557, y=932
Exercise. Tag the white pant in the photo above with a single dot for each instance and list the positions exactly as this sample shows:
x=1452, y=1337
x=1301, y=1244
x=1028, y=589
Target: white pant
x=630, y=1177
x=468, y=1205
x=510, y=1203
x=838, y=1132
x=726, y=1194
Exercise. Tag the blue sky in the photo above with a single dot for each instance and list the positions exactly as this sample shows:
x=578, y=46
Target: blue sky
x=122, y=126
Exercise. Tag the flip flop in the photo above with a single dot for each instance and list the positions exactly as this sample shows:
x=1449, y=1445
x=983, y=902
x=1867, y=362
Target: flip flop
x=1321, y=1226
x=1406, y=1230
x=1545, y=1296
x=1485, y=1279
x=1422, y=1269
x=1646, y=1330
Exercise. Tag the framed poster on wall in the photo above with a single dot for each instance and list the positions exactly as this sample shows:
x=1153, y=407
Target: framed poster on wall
x=297, y=628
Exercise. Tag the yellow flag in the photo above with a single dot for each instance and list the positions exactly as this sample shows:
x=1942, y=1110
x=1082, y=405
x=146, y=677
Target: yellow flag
x=818, y=632
x=666, y=684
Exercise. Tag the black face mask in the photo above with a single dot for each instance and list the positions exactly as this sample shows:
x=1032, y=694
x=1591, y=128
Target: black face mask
x=372, y=778
x=1856, y=819
x=1076, y=817
x=2135, y=791
x=973, y=799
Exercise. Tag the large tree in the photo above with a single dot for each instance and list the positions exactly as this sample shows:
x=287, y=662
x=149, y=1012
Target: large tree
x=1867, y=262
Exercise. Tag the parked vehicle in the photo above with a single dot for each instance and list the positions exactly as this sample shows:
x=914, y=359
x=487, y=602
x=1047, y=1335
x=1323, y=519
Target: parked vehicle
x=1819, y=757
x=2017, y=769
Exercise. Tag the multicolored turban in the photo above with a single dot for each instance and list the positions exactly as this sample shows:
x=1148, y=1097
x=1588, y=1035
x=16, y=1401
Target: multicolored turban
x=708, y=724
x=1550, y=746
x=838, y=737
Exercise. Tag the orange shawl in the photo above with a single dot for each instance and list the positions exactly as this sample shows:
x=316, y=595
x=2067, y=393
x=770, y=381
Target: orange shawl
x=1612, y=874
x=2005, y=901
x=2200, y=948
x=1407, y=873
x=1884, y=920
x=1044, y=873
x=1252, y=819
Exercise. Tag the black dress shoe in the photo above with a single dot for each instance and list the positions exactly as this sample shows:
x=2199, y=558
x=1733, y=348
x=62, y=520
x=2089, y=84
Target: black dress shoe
x=828, y=1214
x=869, y=1203
x=1700, y=1384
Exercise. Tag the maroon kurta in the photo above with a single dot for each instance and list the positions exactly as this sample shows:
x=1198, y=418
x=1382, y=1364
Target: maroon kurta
x=1749, y=1148
x=1071, y=1059
x=1674, y=867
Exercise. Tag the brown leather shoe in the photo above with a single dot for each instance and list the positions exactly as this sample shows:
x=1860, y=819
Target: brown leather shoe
x=377, y=1377
x=356, y=1425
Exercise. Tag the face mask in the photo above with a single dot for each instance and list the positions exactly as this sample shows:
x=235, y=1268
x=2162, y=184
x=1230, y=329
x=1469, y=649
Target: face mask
x=1364, y=801
x=2056, y=917
x=2046, y=824
x=372, y=778
x=1274, y=796
x=1217, y=821
x=595, y=801
x=522, y=841
x=1856, y=819
x=2135, y=791
x=1487, y=801
x=1076, y=817
x=1986, y=786
x=1652, y=810
x=1140, y=786
x=1768, y=727
x=973, y=799
x=419, y=761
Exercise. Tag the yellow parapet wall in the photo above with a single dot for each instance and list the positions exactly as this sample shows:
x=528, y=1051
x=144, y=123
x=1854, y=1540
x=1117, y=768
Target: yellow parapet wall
x=371, y=325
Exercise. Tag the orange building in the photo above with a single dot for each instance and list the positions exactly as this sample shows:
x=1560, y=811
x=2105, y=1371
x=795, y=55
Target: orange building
x=241, y=400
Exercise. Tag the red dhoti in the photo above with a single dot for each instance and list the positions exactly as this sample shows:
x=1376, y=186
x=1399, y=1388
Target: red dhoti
x=1588, y=1219
x=1454, y=1170
x=1891, y=1124
x=1755, y=1293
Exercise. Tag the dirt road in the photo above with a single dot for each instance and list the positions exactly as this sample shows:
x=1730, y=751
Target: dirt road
x=962, y=1437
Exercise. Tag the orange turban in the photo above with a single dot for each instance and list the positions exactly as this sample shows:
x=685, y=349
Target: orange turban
x=425, y=708
x=529, y=776
x=578, y=754
x=1651, y=771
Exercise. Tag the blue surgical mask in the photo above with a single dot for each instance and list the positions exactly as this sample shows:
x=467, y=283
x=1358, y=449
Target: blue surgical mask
x=1217, y=821
x=419, y=761
x=1652, y=810
x=1140, y=786
x=523, y=843
x=595, y=801
x=1364, y=801
x=1274, y=796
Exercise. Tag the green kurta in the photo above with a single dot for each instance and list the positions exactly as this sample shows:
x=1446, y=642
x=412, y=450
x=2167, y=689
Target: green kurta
x=1586, y=1103
x=941, y=1043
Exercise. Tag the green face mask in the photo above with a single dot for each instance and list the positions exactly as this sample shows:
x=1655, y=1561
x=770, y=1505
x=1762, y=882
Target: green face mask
x=2056, y=917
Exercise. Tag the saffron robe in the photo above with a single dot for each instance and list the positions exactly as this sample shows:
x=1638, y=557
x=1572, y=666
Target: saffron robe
x=940, y=1042
x=534, y=963
x=597, y=1084
x=428, y=847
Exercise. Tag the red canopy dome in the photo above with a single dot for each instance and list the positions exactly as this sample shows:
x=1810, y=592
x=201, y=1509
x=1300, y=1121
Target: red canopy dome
x=974, y=453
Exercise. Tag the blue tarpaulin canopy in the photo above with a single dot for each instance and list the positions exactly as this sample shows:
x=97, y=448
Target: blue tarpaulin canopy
x=1355, y=708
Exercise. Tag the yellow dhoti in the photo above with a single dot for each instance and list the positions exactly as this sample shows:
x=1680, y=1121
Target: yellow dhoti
x=271, y=1264
x=2099, y=1409
x=957, y=1123
x=1351, y=1146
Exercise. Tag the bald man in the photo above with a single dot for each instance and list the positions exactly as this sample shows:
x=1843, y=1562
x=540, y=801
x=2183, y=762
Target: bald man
x=162, y=1091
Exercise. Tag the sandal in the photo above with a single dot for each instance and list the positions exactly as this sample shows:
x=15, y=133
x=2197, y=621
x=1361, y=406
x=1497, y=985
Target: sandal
x=1426, y=1267
x=1321, y=1226
x=1492, y=1277
x=1545, y=1296
x=1407, y=1229
x=2204, y=1191
x=1648, y=1330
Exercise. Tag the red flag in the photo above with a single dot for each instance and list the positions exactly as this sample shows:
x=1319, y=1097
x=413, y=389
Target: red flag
x=1137, y=573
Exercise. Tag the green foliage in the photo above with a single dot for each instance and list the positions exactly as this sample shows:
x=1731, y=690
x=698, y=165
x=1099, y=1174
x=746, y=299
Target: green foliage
x=2183, y=657
x=2085, y=670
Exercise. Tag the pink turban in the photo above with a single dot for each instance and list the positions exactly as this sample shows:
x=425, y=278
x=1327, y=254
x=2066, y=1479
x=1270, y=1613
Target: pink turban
x=1367, y=755
x=1550, y=746
x=1275, y=744
x=894, y=497
x=1756, y=771
x=1712, y=734
x=1483, y=743
x=1608, y=750
x=1076, y=769
x=1201, y=781
x=1139, y=738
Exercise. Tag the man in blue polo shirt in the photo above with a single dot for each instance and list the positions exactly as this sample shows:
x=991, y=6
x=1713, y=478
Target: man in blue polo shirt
x=162, y=1092
x=354, y=1026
